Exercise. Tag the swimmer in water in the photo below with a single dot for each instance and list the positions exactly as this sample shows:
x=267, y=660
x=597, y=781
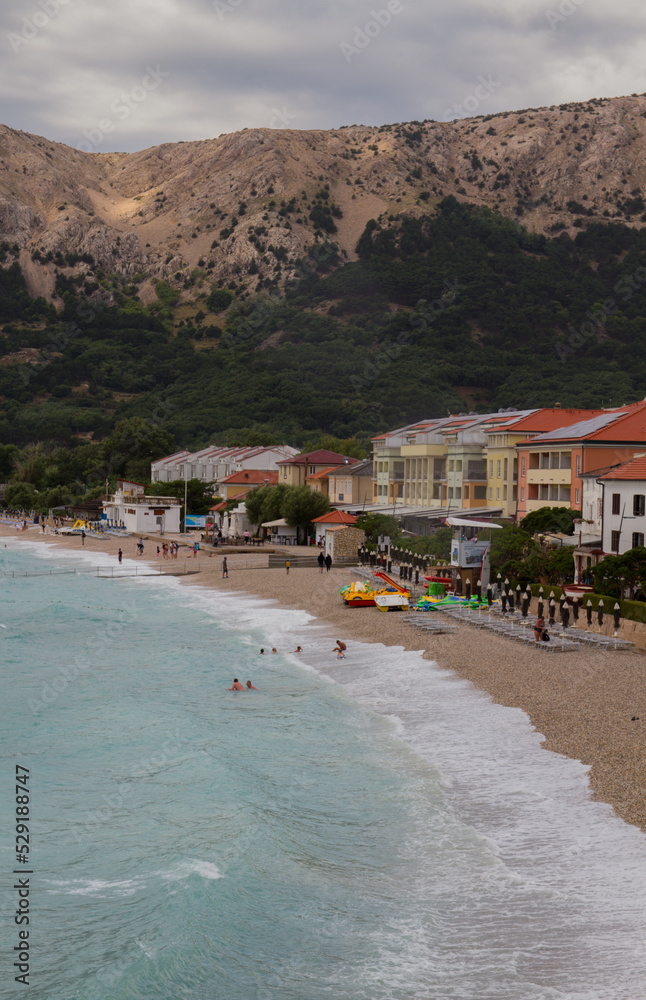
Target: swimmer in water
x=237, y=686
x=251, y=687
x=274, y=650
x=299, y=649
x=340, y=649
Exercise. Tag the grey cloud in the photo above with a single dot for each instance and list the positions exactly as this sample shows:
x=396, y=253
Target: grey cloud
x=232, y=68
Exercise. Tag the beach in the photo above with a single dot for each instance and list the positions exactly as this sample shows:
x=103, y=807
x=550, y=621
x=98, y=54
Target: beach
x=582, y=702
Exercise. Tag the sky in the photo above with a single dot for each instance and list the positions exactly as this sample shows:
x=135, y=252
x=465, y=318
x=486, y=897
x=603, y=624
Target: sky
x=105, y=75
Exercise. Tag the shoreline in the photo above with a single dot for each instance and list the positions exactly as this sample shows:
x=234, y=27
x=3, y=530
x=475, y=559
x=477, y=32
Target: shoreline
x=581, y=702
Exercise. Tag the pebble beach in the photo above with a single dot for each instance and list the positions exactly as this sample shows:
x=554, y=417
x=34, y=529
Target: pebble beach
x=587, y=704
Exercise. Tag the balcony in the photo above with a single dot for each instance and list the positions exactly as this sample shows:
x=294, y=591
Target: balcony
x=475, y=477
x=557, y=477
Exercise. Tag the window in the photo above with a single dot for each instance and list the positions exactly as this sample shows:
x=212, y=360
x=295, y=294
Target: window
x=449, y=493
x=522, y=466
x=312, y=470
x=522, y=493
x=578, y=465
x=340, y=496
x=458, y=465
x=498, y=469
x=491, y=469
x=490, y=493
x=638, y=539
x=466, y=492
x=614, y=541
x=638, y=505
x=577, y=498
x=451, y=465
x=616, y=501
x=498, y=493
x=506, y=469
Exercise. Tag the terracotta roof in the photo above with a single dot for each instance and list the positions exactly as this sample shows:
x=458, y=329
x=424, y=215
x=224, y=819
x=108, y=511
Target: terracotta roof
x=219, y=506
x=251, y=477
x=323, y=473
x=550, y=419
x=635, y=469
x=335, y=517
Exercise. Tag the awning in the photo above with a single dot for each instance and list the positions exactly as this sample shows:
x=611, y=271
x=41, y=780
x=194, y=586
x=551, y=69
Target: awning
x=461, y=522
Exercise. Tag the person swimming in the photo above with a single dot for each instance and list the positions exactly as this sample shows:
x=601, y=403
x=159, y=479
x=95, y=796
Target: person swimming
x=237, y=686
x=251, y=687
x=299, y=649
x=340, y=649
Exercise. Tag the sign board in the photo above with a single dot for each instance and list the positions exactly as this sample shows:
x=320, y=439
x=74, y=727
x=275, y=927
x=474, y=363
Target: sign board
x=195, y=521
x=468, y=555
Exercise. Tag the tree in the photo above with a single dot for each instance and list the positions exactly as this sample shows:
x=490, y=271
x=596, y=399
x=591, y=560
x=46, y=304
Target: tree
x=133, y=445
x=21, y=495
x=616, y=573
x=559, y=565
x=301, y=506
x=375, y=525
x=509, y=550
x=547, y=519
x=199, y=496
x=8, y=455
x=266, y=503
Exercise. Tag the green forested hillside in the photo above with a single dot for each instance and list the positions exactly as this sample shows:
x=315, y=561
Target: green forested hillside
x=458, y=311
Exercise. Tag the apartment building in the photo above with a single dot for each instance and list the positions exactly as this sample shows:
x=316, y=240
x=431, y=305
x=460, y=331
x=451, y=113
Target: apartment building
x=551, y=464
x=214, y=463
x=624, y=506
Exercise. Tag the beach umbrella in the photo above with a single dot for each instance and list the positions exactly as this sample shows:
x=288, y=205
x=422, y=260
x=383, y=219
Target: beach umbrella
x=499, y=583
x=551, y=595
x=525, y=608
x=467, y=589
x=552, y=611
x=510, y=598
x=575, y=609
x=518, y=597
x=617, y=616
x=503, y=601
x=565, y=615
x=540, y=591
x=489, y=595
x=541, y=607
x=600, y=613
x=506, y=583
x=588, y=612
x=479, y=590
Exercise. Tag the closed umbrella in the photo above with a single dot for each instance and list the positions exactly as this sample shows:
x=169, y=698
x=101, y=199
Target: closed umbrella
x=540, y=591
x=600, y=613
x=503, y=601
x=518, y=593
x=575, y=609
x=565, y=616
x=467, y=589
x=510, y=598
x=588, y=612
x=525, y=607
x=479, y=591
x=489, y=595
x=541, y=607
x=617, y=616
x=552, y=612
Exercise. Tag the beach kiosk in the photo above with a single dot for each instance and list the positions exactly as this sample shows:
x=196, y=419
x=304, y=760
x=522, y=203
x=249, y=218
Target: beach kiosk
x=469, y=554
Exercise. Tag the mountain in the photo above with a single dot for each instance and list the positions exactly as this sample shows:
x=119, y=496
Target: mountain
x=242, y=209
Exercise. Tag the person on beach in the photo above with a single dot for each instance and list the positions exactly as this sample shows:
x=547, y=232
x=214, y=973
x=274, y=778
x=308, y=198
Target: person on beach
x=237, y=686
x=328, y=562
x=82, y=537
x=225, y=569
x=539, y=629
x=157, y=556
x=340, y=649
x=251, y=687
x=120, y=555
x=321, y=561
x=287, y=567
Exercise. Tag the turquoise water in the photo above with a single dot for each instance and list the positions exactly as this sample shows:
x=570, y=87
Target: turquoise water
x=369, y=829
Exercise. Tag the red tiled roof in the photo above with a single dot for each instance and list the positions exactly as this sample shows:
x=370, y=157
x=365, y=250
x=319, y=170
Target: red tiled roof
x=219, y=506
x=550, y=419
x=635, y=469
x=323, y=473
x=335, y=517
x=251, y=477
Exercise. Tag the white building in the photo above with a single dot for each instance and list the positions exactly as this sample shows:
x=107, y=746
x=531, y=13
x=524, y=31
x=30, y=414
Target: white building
x=215, y=463
x=141, y=514
x=624, y=506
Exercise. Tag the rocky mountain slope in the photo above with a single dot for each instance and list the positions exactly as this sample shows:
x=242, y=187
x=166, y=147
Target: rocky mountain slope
x=243, y=208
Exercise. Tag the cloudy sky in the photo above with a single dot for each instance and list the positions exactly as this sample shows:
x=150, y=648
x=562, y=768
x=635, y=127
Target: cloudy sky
x=125, y=74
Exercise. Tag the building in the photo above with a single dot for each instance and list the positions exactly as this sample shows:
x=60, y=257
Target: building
x=141, y=514
x=294, y=471
x=551, y=464
x=624, y=506
x=215, y=463
x=351, y=483
x=341, y=538
x=237, y=485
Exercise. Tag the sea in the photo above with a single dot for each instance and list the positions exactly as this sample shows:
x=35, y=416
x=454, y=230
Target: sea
x=373, y=828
